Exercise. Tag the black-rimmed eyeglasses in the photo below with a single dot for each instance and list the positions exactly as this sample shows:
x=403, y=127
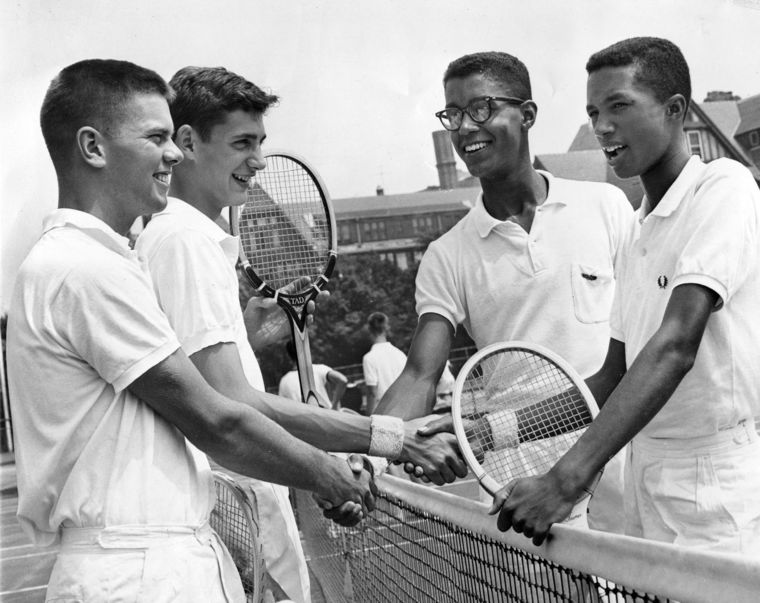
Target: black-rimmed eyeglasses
x=479, y=110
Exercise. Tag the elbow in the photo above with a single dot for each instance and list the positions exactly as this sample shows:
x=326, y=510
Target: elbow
x=680, y=354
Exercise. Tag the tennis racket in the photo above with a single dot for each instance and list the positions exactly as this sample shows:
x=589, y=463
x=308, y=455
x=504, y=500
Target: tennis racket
x=287, y=232
x=517, y=408
x=233, y=520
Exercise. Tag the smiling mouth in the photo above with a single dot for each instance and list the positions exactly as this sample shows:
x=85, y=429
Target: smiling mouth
x=475, y=147
x=163, y=177
x=242, y=179
x=612, y=151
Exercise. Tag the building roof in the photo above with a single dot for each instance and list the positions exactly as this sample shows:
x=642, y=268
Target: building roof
x=724, y=114
x=749, y=110
x=589, y=166
x=406, y=204
x=585, y=139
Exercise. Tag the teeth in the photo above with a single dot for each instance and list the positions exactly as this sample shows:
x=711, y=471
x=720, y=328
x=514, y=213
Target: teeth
x=163, y=178
x=471, y=148
x=612, y=149
x=241, y=178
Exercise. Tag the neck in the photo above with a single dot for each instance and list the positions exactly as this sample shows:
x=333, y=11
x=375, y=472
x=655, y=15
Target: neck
x=90, y=201
x=661, y=176
x=516, y=195
x=185, y=189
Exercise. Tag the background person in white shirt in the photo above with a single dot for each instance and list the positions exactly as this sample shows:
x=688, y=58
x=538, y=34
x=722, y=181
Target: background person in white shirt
x=330, y=384
x=533, y=261
x=110, y=414
x=383, y=363
x=680, y=378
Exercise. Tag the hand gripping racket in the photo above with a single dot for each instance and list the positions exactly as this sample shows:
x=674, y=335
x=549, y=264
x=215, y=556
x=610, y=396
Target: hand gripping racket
x=233, y=520
x=287, y=232
x=517, y=408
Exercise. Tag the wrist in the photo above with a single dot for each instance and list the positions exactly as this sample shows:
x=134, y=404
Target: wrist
x=386, y=436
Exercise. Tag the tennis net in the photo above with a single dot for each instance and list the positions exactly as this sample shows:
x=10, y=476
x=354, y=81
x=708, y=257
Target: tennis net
x=424, y=545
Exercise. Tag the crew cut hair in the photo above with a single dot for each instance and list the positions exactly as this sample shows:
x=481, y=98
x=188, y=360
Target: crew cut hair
x=377, y=323
x=660, y=65
x=92, y=93
x=204, y=96
x=497, y=66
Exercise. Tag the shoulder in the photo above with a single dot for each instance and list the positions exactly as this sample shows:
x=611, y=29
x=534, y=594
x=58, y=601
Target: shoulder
x=163, y=233
x=729, y=171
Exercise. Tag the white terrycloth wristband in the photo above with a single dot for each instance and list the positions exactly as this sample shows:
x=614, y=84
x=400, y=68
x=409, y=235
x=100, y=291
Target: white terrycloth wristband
x=386, y=437
x=503, y=429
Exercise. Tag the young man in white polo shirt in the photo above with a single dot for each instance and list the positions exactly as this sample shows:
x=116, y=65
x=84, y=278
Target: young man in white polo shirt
x=218, y=117
x=680, y=376
x=534, y=260
x=110, y=416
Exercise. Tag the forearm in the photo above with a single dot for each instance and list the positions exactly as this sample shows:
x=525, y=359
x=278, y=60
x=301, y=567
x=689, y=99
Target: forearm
x=639, y=396
x=413, y=393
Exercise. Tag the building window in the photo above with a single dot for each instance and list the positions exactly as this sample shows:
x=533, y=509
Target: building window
x=754, y=138
x=694, y=139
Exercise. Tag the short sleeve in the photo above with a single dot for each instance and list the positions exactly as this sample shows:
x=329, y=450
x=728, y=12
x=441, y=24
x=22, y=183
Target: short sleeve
x=436, y=290
x=113, y=321
x=188, y=269
x=722, y=247
x=370, y=372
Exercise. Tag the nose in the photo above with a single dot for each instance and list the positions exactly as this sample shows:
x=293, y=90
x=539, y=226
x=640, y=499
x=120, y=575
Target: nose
x=468, y=124
x=172, y=153
x=602, y=126
x=256, y=161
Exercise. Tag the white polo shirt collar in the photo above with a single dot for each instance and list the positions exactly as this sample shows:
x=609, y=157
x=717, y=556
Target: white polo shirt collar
x=677, y=192
x=194, y=218
x=91, y=225
x=485, y=222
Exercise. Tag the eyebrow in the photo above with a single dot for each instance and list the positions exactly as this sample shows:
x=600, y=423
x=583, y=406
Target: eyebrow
x=608, y=99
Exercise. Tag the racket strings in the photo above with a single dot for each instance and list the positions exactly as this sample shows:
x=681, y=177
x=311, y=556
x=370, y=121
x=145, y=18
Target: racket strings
x=523, y=413
x=284, y=229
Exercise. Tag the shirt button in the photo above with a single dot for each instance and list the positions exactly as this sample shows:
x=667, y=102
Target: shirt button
x=643, y=251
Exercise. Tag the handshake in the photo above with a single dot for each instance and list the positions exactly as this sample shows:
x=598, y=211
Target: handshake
x=350, y=495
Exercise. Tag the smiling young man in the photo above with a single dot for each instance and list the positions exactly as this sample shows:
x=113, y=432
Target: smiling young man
x=534, y=260
x=680, y=377
x=219, y=120
x=110, y=416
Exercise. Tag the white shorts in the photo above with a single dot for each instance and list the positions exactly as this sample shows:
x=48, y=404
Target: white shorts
x=143, y=564
x=698, y=492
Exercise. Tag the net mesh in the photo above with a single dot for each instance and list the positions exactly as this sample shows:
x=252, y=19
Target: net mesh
x=406, y=552
x=284, y=230
x=521, y=413
x=234, y=520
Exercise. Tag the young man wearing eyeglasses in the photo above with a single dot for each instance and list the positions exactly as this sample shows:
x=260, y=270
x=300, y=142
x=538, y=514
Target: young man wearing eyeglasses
x=534, y=260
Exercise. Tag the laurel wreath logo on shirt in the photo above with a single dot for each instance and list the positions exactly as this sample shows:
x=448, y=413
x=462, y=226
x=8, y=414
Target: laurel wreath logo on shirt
x=662, y=281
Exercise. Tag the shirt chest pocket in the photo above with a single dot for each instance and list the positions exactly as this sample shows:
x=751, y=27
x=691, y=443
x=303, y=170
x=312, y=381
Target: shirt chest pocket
x=593, y=290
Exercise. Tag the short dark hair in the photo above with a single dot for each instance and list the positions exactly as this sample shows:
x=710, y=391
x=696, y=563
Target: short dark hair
x=205, y=95
x=92, y=93
x=660, y=65
x=498, y=66
x=377, y=323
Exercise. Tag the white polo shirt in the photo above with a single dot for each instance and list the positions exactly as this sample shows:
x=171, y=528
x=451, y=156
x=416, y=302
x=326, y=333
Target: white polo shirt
x=191, y=261
x=290, y=384
x=553, y=286
x=83, y=325
x=705, y=230
x=382, y=365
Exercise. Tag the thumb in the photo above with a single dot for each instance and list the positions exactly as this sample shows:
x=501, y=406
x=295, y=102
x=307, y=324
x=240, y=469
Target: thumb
x=443, y=424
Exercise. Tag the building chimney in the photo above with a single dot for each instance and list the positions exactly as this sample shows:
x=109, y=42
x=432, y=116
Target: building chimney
x=721, y=95
x=444, y=160
x=380, y=190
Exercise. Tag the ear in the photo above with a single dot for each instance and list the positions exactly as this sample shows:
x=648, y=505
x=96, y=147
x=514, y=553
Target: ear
x=90, y=146
x=676, y=107
x=529, y=112
x=185, y=139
